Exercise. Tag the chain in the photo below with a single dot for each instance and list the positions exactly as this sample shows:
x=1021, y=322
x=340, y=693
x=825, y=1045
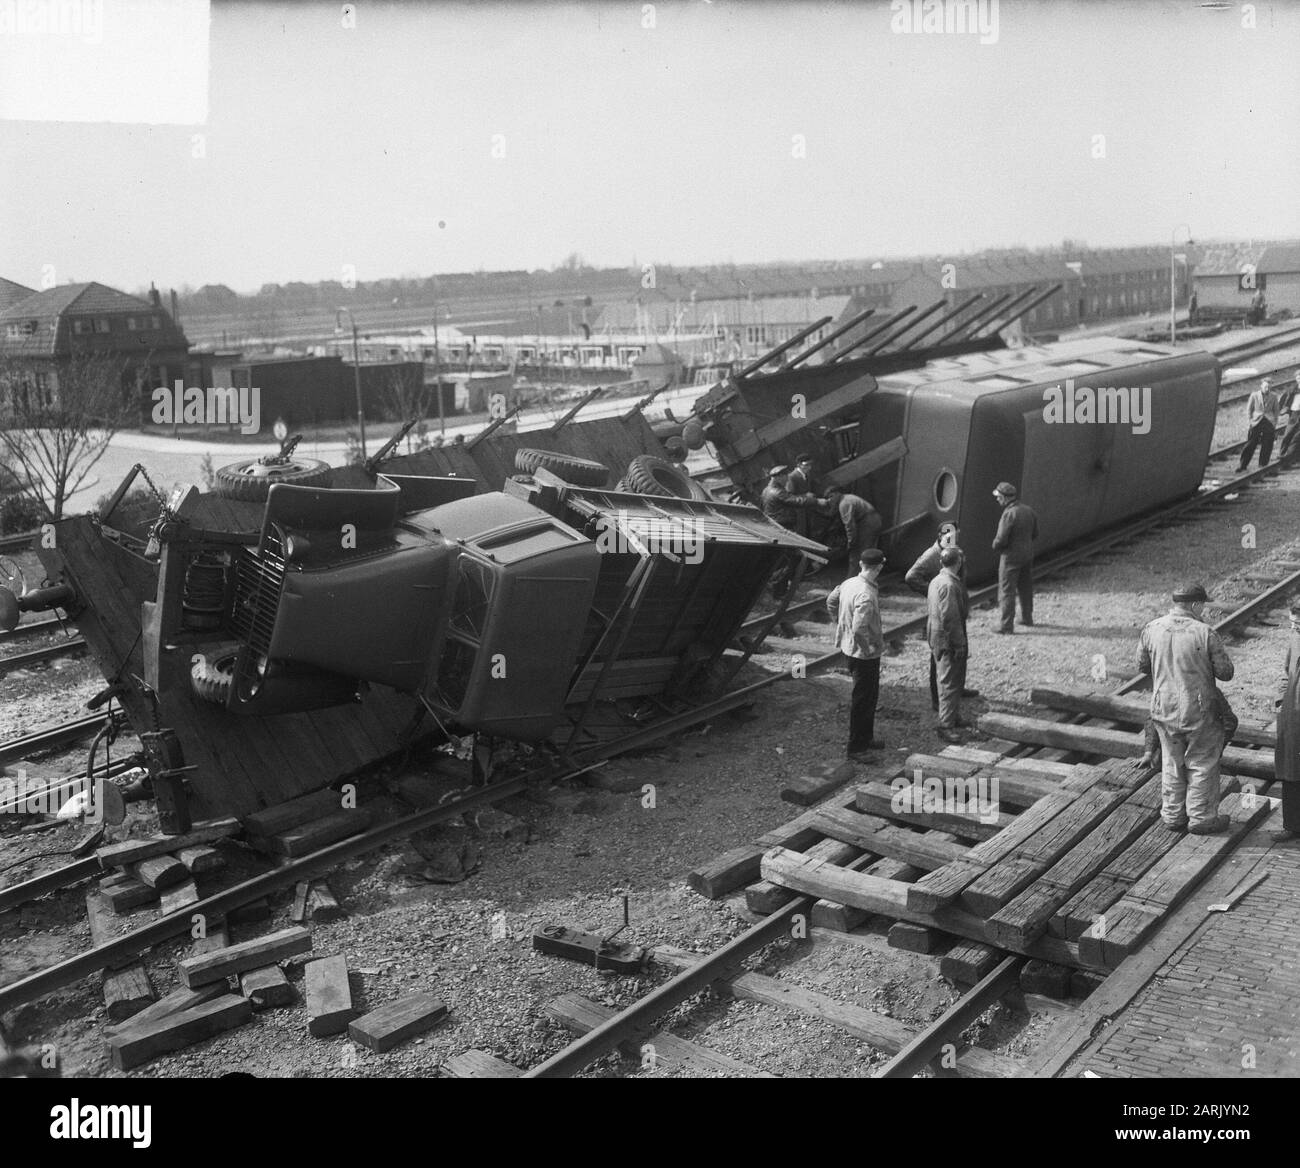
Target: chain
x=157, y=494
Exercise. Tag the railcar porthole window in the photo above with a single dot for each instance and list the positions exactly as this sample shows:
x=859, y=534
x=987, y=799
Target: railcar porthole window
x=945, y=490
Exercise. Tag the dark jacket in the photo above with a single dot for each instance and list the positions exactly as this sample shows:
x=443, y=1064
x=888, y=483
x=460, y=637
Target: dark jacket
x=783, y=506
x=926, y=568
x=1017, y=530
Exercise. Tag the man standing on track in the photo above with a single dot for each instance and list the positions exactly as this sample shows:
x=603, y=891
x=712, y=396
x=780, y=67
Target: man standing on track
x=855, y=608
x=1183, y=656
x=1017, y=530
x=945, y=629
x=927, y=566
x=1261, y=425
x=1286, y=755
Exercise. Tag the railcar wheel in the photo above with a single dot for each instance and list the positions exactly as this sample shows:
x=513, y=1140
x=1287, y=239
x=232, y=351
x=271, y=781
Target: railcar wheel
x=250, y=481
x=581, y=472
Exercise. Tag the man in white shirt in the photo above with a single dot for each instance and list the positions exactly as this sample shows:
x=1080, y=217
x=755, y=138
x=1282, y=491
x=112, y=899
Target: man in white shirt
x=855, y=608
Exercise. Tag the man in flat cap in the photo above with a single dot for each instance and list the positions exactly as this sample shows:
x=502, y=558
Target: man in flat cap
x=1183, y=656
x=782, y=506
x=1261, y=424
x=855, y=608
x=1286, y=755
x=945, y=629
x=919, y=575
x=1017, y=530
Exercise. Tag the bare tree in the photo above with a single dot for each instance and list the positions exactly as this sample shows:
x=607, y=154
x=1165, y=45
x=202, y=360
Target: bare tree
x=56, y=424
x=407, y=397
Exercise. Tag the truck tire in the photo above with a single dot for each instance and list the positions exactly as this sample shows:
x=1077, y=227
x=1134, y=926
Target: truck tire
x=581, y=472
x=250, y=481
x=211, y=681
x=648, y=475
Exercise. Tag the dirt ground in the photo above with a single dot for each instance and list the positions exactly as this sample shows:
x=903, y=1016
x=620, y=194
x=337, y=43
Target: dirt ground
x=566, y=853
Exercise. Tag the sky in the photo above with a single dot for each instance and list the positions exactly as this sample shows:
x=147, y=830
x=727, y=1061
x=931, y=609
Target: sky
x=244, y=143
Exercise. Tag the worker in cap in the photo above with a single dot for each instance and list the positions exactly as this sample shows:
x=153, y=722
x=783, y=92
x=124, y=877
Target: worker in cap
x=1262, y=411
x=1183, y=657
x=1017, y=530
x=1291, y=439
x=855, y=608
x=926, y=567
x=1286, y=754
x=860, y=521
x=783, y=506
x=947, y=604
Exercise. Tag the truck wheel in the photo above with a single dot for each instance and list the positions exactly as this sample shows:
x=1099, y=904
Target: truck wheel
x=581, y=472
x=211, y=681
x=648, y=475
x=250, y=481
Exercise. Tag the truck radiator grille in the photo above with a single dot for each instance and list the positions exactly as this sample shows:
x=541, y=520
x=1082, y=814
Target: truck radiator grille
x=258, y=582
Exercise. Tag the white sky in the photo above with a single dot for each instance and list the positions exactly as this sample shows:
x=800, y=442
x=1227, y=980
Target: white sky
x=373, y=146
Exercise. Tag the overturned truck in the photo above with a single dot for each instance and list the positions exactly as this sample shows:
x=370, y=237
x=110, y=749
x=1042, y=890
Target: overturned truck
x=285, y=640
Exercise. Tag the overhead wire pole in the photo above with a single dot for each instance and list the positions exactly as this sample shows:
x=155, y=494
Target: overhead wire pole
x=356, y=373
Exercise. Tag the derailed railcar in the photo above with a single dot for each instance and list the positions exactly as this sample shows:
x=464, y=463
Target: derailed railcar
x=1092, y=431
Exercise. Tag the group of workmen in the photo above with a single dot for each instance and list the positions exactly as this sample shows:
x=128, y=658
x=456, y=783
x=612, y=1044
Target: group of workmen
x=939, y=574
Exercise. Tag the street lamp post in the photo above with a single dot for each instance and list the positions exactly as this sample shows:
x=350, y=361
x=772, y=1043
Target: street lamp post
x=356, y=372
x=1173, y=282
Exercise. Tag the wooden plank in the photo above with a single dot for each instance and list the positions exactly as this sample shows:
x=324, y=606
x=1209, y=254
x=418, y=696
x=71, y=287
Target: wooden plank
x=1033, y=856
x=321, y=904
x=295, y=812
x=889, y=898
x=319, y=833
x=1165, y=885
x=968, y=961
x=298, y=912
x=126, y=988
x=329, y=996
x=1132, y=710
x=1014, y=788
x=1026, y=915
x=160, y=872
x=133, y=850
x=173, y=1003
x=944, y=885
x=178, y=897
x=137, y=1045
x=209, y=967
x=478, y=1064
x=843, y=918
x=394, y=1023
x=740, y=865
x=765, y=897
x=127, y=894
x=1077, y=914
x=915, y=938
x=926, y=850
x=913, y=806
x=581, y=1015
x=878, y=1030
x=201, y=859
x=818, y=783
x=266, y=987
x=1112, y=743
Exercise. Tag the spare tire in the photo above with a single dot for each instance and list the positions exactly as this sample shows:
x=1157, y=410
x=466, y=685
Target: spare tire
x=648, y=475
x=250, y=481
x=581, y=472
x=212, y=681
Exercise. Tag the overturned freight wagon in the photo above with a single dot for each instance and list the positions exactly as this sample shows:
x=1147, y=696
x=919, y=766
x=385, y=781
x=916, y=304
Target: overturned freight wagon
x=293, y=639
x=1092, y=431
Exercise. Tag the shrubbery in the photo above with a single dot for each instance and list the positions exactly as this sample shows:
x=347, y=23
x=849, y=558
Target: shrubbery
x=19, y=513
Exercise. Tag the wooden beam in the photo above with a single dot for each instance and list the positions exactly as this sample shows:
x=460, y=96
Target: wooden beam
x=293, y=813
x=317, y=833
x=134, y=850
x=820, y=781
x=133, y=1046
x=849, y=472
x=969, y=962
x=266, y=987
x=160, y=872
x=913, y=806
x=394, y=1023
x=329, y=996
x=1112, y=743
x=221, y=963
x=1133, y=710
x=126, y=990
x=478, y=1064
x=926, y=850
x=173, y=1003
x=740, y=866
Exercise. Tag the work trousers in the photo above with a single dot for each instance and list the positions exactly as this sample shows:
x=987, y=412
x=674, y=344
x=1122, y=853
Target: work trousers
x=1290, y=441
x=934, y=684
x=1261, y=434
x=1012, y=582
x=950, y=669
x=1189, y=781
x=862, y=705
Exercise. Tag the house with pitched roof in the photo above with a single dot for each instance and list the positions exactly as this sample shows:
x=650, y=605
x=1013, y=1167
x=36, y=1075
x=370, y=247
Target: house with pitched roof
x=42, y=332
x=1228, y=276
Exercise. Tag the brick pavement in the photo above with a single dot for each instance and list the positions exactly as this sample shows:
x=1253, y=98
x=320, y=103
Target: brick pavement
x=1228, y=1001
